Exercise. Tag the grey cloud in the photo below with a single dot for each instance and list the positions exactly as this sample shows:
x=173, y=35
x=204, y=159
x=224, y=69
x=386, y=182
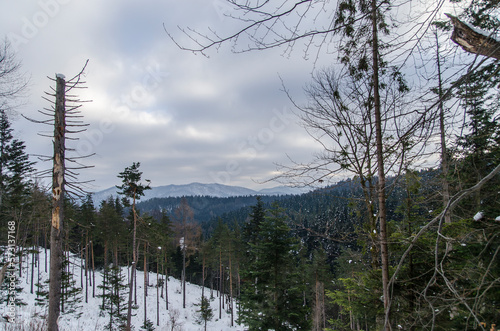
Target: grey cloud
x=185, y=117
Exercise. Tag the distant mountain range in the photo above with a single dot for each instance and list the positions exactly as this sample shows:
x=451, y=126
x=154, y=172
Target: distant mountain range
x=199, y=189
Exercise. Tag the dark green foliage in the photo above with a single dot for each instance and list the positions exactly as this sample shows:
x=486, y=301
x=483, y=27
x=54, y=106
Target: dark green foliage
x=131, y=187
x=10, y=289
x=148, y=325
x=71, y=295
x=114, y=298
x=42, y=294
x=15, y=169
x=272, y=289
x=206, y=209
x=251, y=230
x=477, y=151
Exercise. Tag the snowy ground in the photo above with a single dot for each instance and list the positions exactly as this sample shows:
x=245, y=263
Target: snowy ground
x=91, y=319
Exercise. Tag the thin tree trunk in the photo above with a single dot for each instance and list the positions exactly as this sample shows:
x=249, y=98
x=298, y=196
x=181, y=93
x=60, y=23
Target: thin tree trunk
x=82, y=263
x=157, y=293
x=184, y=274
x=115, y=286
x=45, y=244
x=444, y=152
x=381, y=172
x=32, y=270
x=220, y=282
x=231, y=287
x=146, y=272
x=93, y=269
x=134, y=265
x=203, y=277
x=86, y=267
x=104, y=278
x=145, y=291
x=166, y=280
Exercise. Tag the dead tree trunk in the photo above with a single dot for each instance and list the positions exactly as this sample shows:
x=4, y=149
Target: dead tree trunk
x=57, y=207
x=473, y=41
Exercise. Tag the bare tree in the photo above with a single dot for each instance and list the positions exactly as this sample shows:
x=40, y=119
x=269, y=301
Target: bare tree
x=12, y=81
x=64, y=115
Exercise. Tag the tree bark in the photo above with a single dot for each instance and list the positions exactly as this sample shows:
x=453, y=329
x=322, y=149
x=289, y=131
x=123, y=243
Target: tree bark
x=157, y=292
x=472, y=41
x=444, y=152
x=166, y=280
x=57, y=207
x=93, y=269
x=145, y=290
x=381, y=172
x=184, y=274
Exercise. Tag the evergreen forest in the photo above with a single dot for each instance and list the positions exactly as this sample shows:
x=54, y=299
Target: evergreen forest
x=383, y=242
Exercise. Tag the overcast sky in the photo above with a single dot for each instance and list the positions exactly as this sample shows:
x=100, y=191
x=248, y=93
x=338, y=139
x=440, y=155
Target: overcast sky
x=185, y=117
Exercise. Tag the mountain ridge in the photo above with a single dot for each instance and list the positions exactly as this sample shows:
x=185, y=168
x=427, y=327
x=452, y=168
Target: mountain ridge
x=200, y=189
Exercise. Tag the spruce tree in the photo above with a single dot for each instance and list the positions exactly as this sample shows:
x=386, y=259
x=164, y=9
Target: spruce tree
x=71, y=295
x=252, y=227
x=272, y=294
x=15, y=169
x=204, y=311
x=113, y=298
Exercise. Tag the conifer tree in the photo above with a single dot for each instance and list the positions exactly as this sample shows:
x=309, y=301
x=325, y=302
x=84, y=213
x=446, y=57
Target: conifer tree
x=204, y=311
x=132, y=188
x=272, y=294
x=15, y=169
x=252, y=227
x=113, y=298
x=71, y=294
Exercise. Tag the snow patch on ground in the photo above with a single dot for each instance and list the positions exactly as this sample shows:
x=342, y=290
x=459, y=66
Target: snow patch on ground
x=91, y=319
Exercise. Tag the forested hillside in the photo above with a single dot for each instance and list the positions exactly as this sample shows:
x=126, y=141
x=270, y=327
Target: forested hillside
x=401, y=233
x=204, y=208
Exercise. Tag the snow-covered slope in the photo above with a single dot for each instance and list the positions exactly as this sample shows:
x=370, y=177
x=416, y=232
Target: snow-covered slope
x=198, y=189
x=91, y=319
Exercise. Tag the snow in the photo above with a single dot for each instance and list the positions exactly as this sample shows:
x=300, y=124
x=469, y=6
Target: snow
x=60, y=76
x=484, y=33
x=478, y=216
x=91, y=320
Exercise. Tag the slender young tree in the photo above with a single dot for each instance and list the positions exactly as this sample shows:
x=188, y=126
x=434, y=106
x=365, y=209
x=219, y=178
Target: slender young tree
x=132, y=188
x=204, y=311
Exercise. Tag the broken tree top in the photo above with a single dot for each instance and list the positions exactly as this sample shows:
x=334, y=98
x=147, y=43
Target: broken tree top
x=474, y=41
x=60, y=76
